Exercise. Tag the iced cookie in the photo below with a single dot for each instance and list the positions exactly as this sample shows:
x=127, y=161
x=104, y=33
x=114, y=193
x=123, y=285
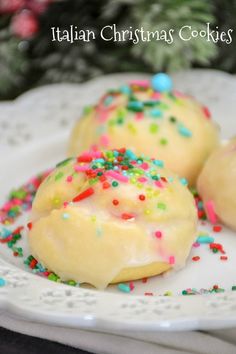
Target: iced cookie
x=112, y=216
x=151, y=119
x=217, y=185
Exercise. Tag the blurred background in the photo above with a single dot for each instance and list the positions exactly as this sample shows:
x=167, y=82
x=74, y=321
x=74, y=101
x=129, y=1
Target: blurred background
x=28, y=57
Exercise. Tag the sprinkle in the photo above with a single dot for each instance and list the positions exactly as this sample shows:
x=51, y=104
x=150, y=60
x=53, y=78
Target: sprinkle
x=206, y=112
x=148, y=294
x=172, y=260
x=59, y=175
x=156, y=113
x=81, y=168
x=163, y=141
x=196, y=258
x=158, y=163
x=29, y=225
x=126, y=216
x=117, y=176
x=131, y=285
x=115, y=184
x=69, y=179
x=217, y=228
x=141, y=197
x=2, y=282
x=183, y=181
x=65, y=216
x=106, y=185
x=159, y=184
x=184, y=131
x=124, y=288
x=84, y=158
x=135, y=106
x=205, y=239
x=140, y=83
x=153, y=128
x=158, y=234
x=215, y=247
x=161, y=206
x=115, y=202
x=144, y=280
x=224, y=258
x=210, y=209
x=233, y=287
x=87, y=193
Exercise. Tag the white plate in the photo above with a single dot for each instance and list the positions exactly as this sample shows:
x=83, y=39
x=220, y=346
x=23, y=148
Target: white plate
x=30, y=296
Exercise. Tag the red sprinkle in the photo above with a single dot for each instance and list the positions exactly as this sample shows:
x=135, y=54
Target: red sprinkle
x=29, y=225
x=217, y=246
x=206, y=112
x=142, y=197
x=224, y=258
x=106, y=185
x=196, y=258
x=217, y=228
x=115, y=202
x=126, y=216
x=148, y=294
x=144, y=280
x=87, y=193
x=131, y=286
x=84, y=158
x=33, y=263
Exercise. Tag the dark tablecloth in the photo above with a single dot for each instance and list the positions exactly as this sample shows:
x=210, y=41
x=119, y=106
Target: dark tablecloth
x=16, y=343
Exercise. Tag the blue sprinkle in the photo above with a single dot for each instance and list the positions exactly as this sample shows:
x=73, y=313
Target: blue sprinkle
x=2, y=282
x=125, y=89
x=115, y=153
x=170, y=179
x=99, y=161
x=130, y=154
x=124, y=288
x=5, y=233
x=65, y=216
x=161, y=82
x=156, y=113
x=205, y=239
x=136, y=105
x=184, y=131
x=108, y=100
x=158, y=163
x=183, y=181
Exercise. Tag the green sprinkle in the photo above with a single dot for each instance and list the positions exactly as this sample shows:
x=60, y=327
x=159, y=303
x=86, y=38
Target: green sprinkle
x=233, y=287
x=115, y=184
x=184, y=292
x=163, y=141
x=87, y=109
x=124, y=288
x=153, y=128
x=64, y=162
x=53, y=277
x=59, y=175
x=172, y=119
x=72, y=283
x=161, y=206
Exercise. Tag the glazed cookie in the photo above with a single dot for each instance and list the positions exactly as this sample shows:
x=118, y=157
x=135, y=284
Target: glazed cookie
x=112, y=216
x=217, y=185
x=150, y=119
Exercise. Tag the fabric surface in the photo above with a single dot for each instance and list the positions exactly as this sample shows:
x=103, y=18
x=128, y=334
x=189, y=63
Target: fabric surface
x=118, y=342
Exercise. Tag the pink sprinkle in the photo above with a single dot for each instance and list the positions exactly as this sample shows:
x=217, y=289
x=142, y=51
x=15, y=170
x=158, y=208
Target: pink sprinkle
x=131, y=286
x=69, y=179
x=196, y=244
x=158, y=234
x=103, y=116
x=141, y=83
x=172, y=260
x=179, y=94
x=94, y=153
x=117, y=176
x=139, y=115
x=144, y=166
x=65, y=204
x=156, y=95
x=159, y=184
x=142, y=179
x=79, y=168
x=210, y=209
x=104, y=140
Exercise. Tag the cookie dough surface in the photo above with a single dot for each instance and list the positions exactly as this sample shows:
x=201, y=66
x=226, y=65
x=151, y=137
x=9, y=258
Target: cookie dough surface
x=217, y=183
x=170, y=125
x=112, y=216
